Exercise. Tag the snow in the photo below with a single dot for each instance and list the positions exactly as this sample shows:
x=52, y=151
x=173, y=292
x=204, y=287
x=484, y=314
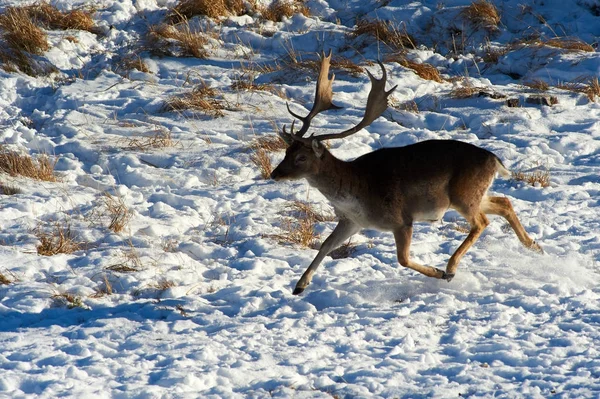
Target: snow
x=207, y=308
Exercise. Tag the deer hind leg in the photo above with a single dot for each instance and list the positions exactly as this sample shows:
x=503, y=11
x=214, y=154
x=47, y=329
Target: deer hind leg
x=478, y=223
x=344, y=230
x=403, y=238
x=501, y=206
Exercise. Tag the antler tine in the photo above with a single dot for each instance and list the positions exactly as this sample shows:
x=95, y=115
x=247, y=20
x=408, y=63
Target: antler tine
x=323, y=96
x=376, y=104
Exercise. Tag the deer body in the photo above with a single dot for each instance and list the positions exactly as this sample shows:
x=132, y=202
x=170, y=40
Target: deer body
x=391, y=188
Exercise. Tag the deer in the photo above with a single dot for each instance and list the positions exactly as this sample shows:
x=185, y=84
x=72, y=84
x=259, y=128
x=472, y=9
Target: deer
x=390, y=189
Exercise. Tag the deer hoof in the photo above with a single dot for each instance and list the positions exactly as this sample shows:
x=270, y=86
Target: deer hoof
x=536, y=247
x=298, y=291
x=448, y=276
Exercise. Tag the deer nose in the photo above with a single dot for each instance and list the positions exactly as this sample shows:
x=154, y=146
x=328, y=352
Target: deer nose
x=275, y=174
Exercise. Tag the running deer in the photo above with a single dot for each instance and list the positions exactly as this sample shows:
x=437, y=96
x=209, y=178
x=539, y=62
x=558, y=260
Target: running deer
x=391, y=188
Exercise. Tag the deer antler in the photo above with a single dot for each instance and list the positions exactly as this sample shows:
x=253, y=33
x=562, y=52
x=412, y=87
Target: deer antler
x=323, y=100
x=376, y=104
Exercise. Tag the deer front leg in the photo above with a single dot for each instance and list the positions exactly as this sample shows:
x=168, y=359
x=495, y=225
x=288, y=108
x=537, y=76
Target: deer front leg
x=403, y=236
x=344, y=230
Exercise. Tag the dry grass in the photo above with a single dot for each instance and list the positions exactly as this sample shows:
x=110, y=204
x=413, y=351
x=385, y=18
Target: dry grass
x=570, y=44
x=408, y=106
x=277, y=10
x=21, y=33
x=537, y=84
x=269, y=143
x=69, y=300
x=7, y=189
x=347, y=65
x=246, y=82
x=118, y=213
x=537, y=178
x=465, y=91
x=299, y=225
x=133, y=61
x=160, y=138
x=5, y=280
x=129, y=261
x=303, y=209
x=202, y=98
x=493, y=55
x=163, y=285
x=177, y=40
x=186, y=9
x=423, y=70
x=52, y=18
x=482, y=14
x=262, y=160
x=298, y=231
x=386, y=32
x=105, y=289
x=344, y=251
x=588, y=85
x=16, y=164
x=60, y=240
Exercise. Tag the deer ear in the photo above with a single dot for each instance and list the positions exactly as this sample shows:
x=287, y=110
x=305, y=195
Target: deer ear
x=318, y=148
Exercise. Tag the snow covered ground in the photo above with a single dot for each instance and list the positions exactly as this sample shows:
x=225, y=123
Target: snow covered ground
x=194, y=297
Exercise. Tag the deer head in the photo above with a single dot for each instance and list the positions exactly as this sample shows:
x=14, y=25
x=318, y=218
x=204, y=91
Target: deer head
x=304, y=154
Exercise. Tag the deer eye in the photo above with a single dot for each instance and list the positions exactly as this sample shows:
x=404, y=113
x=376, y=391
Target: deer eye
x=301, y=158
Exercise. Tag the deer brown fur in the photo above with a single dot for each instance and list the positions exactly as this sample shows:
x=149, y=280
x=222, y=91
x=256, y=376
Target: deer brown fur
x=391, y=188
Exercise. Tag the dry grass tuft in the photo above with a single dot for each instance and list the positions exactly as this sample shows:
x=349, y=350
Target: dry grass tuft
x=465, y=91
x=246, y=82
x=537, y=84
x=163, y=285
x=5, y=280
x=409, y=106
x=344, y=251
x=299, y=225
x=537, y=178
x=202, y=98
x=105, y=289
x=161, y=138
x=280, y=9
x=186, y=9
x=133, y=61
x=298, y=231
x=302, y=209
x=262, y=160
x=69, y=300
x=21, y=33
x=346, y=64
x=588, y=85
x=261, y=148
x=482, y=14
x=52, y=18
x=386, y=32
x=569, y=43
x=60, y=240
x=9, y=189
x=423, y=70
x=16, y=164
x=269, y=143
x=177, y=40
x=129, y=261
x=118, y=212
x=493, y=55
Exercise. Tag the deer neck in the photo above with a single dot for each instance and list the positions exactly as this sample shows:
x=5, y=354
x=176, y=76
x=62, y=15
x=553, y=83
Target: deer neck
x=335, y=179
